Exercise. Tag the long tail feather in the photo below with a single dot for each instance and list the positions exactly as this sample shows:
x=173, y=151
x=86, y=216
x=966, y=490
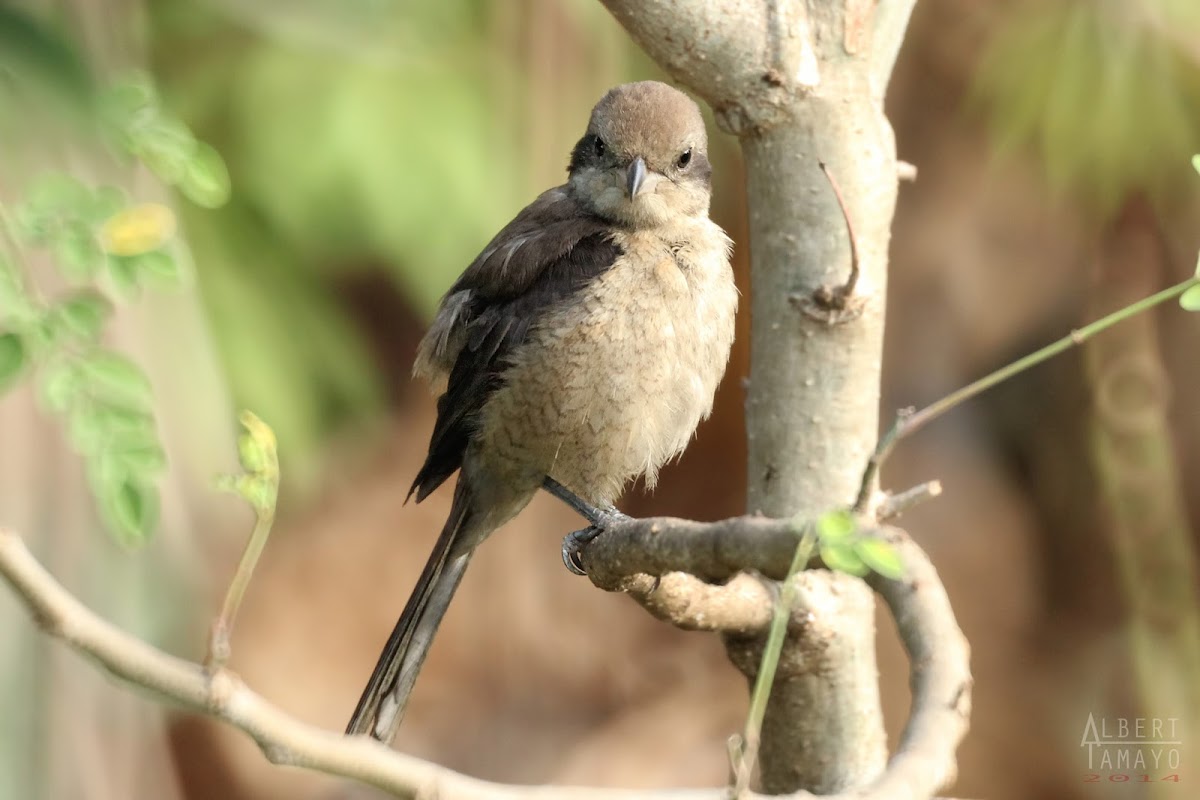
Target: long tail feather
x=381, y=706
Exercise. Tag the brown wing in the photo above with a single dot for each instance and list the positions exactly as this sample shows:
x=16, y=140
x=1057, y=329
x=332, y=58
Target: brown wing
x=538, y=261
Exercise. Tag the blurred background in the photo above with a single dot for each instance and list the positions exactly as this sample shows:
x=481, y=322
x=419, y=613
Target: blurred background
x=372, y=148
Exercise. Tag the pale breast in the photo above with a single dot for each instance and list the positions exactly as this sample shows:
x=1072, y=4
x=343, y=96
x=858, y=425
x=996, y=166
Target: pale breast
x=613, y=384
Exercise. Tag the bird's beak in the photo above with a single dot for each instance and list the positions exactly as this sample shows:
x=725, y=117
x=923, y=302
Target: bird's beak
x=635, y=177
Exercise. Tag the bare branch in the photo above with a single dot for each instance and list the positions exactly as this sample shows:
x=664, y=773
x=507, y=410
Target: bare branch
x=712, y=551
x=925, y=761
x=896, y=504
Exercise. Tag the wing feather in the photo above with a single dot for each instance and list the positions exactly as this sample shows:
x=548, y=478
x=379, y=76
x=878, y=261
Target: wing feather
x=537, y=262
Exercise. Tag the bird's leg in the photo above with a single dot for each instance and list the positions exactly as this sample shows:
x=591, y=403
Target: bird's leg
x=598, y=518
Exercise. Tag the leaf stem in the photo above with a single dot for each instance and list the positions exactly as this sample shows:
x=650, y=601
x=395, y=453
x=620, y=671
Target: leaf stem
x=222, y=627
x=765, y=679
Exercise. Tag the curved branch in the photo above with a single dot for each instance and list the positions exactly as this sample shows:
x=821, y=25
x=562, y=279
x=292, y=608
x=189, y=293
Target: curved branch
x=924, y=762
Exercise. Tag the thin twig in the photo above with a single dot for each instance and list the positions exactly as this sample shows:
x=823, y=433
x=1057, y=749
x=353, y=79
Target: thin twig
x=844, y=292
x=896, y=504
x=908, y=422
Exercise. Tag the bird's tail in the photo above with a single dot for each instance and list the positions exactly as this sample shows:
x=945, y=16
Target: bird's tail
x=381, y=706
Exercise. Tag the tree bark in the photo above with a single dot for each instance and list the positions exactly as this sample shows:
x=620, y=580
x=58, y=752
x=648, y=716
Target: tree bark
x=802, y=84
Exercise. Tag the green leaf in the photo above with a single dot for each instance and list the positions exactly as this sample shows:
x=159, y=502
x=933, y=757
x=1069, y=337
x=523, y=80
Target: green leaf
x=133, y=96
x=15, y=303
x=880, y=556
x=165, y=145
x=59, y=194
x=130, y=273
x=205, y=181
x=131, y=508
x=13, y=358
x=257, y=446
x=124, y=274
x=82, y=315
x=104, y=432
x=147, y=462
x=257, y=490
x=1190, y=300
x=107, y=201
x=60, y=386
x=835, y=527
x=114, y=378
x=77, y=250
x=842, y=558
x=1196, y=162
x=159, y=265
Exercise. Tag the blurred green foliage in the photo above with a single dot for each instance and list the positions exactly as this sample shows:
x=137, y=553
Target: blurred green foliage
x=103, y=397
x=1106, y=93
x=368, y=143
x=100, y=245
x=362, y=137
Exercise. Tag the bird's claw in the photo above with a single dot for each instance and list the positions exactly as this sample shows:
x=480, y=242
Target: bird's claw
x=576, y=542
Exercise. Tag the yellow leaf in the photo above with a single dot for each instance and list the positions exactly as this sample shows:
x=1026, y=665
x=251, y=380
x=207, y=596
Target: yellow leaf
x=138, y=229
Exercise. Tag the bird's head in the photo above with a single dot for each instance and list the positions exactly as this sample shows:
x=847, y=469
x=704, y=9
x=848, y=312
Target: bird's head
x=644, y=158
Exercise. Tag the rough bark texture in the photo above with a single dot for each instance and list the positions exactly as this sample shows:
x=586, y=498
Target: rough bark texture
x=803, y=83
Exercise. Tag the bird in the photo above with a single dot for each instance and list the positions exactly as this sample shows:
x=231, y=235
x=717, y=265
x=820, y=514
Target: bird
x=579, y=350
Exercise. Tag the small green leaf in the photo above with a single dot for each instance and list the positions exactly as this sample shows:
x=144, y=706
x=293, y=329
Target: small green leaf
x=124, y=274
x=159, y=266
x=257, y=446
x=59, y=194
x=258, y=491
x=106, y=201
x=1196, y=162
x=130, y=97
x=146, y=462
x=880, y=556
x=165, y=145
x=205, y=181
x=112, y=377
x=124, y=427
x=82, y=315
x=842, y=558
x=100, y=431
x=15, y=303
x=131, y=509
x=33, y=226
x=77, y=250
x=835, y=527
x=1190, y=300
x=60, y=386
x=13, y=358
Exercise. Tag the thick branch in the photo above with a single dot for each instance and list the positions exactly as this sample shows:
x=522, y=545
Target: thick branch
x=713, y=551
x=802, y=83
x=925, y=761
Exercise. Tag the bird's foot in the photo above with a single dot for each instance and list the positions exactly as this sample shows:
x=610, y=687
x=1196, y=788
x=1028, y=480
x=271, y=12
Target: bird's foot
x=598, y=517
x=577, y=541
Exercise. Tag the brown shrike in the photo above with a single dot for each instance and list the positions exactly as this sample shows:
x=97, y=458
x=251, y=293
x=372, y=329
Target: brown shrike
x=579, y=350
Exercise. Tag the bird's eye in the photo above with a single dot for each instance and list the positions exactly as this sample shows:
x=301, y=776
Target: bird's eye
x=598, y=146
x=684, y=159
